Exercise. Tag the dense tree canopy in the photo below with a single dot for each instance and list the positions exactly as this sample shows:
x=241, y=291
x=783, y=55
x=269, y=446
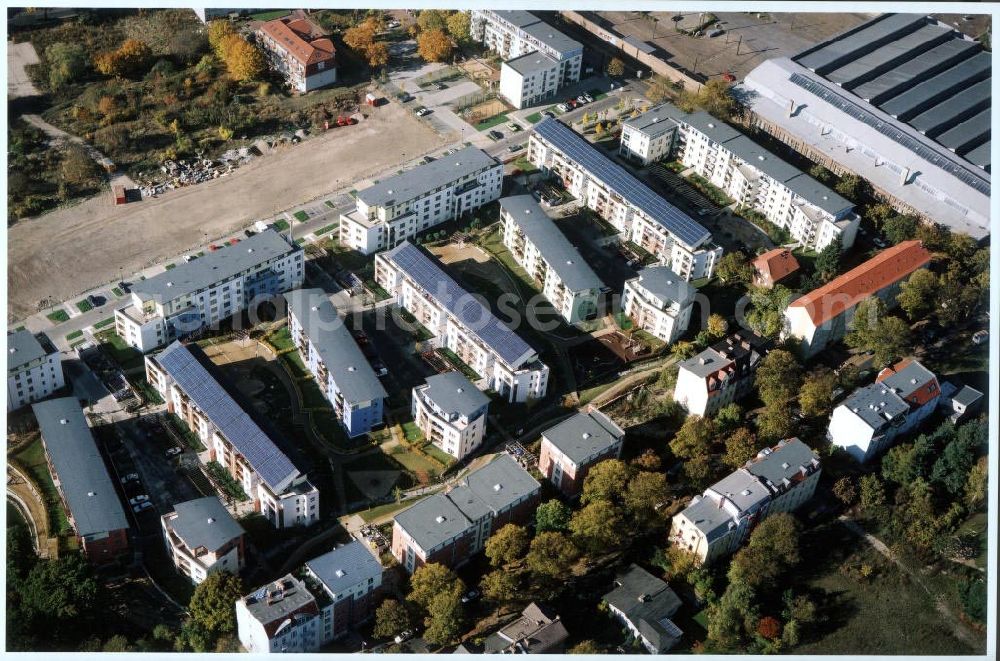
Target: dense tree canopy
x=507, y=545
x=552, y=515
x=605, y=480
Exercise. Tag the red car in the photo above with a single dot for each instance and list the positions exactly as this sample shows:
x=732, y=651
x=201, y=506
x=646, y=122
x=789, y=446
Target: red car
x=213, y=247
x=233, y=241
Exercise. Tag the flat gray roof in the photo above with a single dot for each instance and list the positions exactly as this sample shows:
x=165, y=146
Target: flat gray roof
x=502, y=482
x=335, y=345
x=455, y=394
x=967, y=396
x=344, y=567
x=784, y=461
x=876, y=404
x=223, y=264
x=82, y=474
x=22, y=348
x=532, y=62
x=642, y=46
x=559, y=253
x=584, y=435
x=980, y=155
x=424, y=178
x=743, y=488
x=517, y=17
x=709, y=518
x=432, y=521
x=909, y=379
x=663, y=283
x=204, y=522
x=294, y=595
x=553, y=38
x=715, y=129
x=950, y=112
x=656, y=121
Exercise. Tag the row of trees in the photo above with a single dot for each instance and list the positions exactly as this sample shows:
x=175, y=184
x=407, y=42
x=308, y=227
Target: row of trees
x=244, y=61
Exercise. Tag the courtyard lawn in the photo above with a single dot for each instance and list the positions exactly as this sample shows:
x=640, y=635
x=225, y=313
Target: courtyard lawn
x=536, y=117
x=281, y=339
x=281, y=225
x=105, y=323
x=301, y=216
x=525, y=166
x=420, y=466
x=492, y=121
x=128, y=357
x=84, y=306
x=117, y=292
x=388, y=509
x=58, y=316
x=269, y=15
x=438, y=454
x=293, y=361
x=411, y=432
x=32, y=458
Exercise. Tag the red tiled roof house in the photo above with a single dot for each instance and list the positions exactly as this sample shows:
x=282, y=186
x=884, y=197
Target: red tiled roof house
x=297, y=49
x=774, y=266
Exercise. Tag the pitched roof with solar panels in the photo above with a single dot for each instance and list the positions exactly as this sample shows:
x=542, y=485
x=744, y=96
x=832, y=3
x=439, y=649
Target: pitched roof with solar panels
x=235, y=424
x=467, y=309
x=617, y=178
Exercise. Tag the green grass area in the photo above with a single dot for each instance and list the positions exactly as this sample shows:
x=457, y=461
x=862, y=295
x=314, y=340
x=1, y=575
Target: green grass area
x=105, y=323
x=75, y=334
x=301, y=216
x=588, y=395
x=58, y=316
x=117, y=292
x=294, y=361
x=597, y=94
x=326, y=230
x=225, y=481
x=459, y=364
x=150, y=395
x=385, y=510
x=709, y=190
x=492, y=121
x=675, y=166
x=623, y=321
x=281, y=225
x=329, y=204
x=438, y=454
x=312, y=396
x=32, y=458
x=281, y=339
x=19, y=329
x=976, y=525
x=524, y=165
x=418, y=330
x=411, y=431
x=170, y=266
x=300, y=240
x=128, y=357
x=269, y=15
x=84, y=306
x=778, y=235
x=418, y=464
x=649, y=339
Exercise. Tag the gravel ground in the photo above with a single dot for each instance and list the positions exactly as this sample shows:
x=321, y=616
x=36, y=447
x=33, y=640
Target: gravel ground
x=79, y=247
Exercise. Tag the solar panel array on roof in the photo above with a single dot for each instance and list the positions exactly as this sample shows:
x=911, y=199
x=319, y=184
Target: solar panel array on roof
x=614, y=176
x=953, y=110
x=968, y=134
x=882, y=59
x=831, y=54
x=911, y=72
x=461, y=304
x=958, y=170
x=274, y=468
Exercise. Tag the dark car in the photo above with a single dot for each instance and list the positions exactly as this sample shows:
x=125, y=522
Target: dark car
x=471, y=596
x=125, y=287
x=496, y=135
x=548, y=113
x=405, y=97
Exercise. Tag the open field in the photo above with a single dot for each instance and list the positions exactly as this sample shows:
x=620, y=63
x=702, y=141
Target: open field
x=90, y=241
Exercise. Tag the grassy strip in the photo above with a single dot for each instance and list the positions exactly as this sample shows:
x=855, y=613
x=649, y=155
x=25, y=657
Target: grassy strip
x=492, y=121
x=459, y=364
x=709, y=190
x=281, y=225
x=75, y=334
x=301, y=216
x=117, y=292
x=170, y=266
x=268, y=15
x=225, y=481
x=525, y=166
x=105, y=323
x=411, y=432
x=326, y=230
x=84, y=306
x=329, y=204
x=58, y=316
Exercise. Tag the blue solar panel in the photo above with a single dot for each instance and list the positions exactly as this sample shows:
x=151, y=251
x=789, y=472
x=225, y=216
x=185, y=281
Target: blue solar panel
x=472, y=314
x=232, y=421
x=615, y=177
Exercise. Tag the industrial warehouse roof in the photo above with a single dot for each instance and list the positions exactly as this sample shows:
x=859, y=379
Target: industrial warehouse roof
x=424, y=178
x=584, y=435
x=845, y=291
x=223, y=264
x=561, y=256
x=22, y=348
x=78, y=466
x=345, y=567
x=235, y=424
x=467, y=309
x=536, y=61
x=931, y=94
x=204, y=522
x=454, y=394
x=336, y=347
x=666, y=285
x=617, y=178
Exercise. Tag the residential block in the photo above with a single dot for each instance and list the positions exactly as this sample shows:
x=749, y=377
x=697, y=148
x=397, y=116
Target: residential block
x=570, y=448
x=34, y=369
x=451, y=413
x=659, y=302
x=202, y=537
x=721, y=374
x=299, y=51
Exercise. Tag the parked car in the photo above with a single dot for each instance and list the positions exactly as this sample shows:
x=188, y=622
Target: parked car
x=548, y=113
x=131, y=477
x=980, y=337
x=515, y=148
x=249, y=233
x=125, y=287
x=562, y=107
x=588, y=98
x=174, y=451
x=421, y=111
x=142, y=507
x=96, y=301
x=441, y=86
x=188, y=258
x=403, y=637
x=406, y=97
x=496, y=135
x=514, y=126
x=879, y=242
x=141, y=498
x=581, y=99
x=471, y=596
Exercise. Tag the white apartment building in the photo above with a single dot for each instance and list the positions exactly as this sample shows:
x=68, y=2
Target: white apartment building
x=659, y=302
x=872, y=417
x=812, y=213
x=459, y=322
x=34, y=369
x=649, y=137
x=538, y=59
x=451, y=413
x=282, y=494
x=565, y=278
x=404, y=205
x=202, y=537
x=721, y=374
x=204, y=291
x=321, y=602
x=778, y=479
x=639, y=214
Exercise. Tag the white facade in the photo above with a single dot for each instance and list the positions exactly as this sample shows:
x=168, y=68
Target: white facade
x=206, y=290
x=518, y=378
x=529, y=80
x=195, y=557
x=281, y=617
x=457, y=432
x=721, y=374
x=689, y=261
x=664, y=316
x=649, y=137
x=407, y=204
x=33, y=371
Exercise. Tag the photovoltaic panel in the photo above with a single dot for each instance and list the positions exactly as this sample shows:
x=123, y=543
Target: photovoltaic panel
x=232, y=421
x=960, y=171
x=467, y=309
x=617, y=178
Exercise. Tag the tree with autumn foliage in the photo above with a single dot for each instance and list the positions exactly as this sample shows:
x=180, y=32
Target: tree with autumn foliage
x=129, y=59
x=244, y=60
x=769, y=627
x=434, y=45
x=217, y=32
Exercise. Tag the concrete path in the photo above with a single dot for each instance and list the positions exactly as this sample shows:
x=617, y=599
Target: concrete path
x=18, y=83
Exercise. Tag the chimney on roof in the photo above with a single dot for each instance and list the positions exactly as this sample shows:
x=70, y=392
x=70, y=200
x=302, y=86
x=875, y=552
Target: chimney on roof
x=904, y=177
x=702, y=360
x=791, y=107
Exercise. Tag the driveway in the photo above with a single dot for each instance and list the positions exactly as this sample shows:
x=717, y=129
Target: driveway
x=18, y=82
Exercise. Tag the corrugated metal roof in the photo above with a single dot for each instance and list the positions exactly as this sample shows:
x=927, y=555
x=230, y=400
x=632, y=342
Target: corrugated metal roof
x=969, y=134
x=919, y=97
x=954, y=110
x=844, y=48
x=980, y=156
x=886, y=57
x=916, y=70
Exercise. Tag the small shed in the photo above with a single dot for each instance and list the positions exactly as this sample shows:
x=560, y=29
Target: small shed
x=372, y=99
x=118, y=191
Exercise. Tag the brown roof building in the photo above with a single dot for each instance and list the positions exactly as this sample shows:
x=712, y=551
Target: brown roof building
x=774, y=266
x=298, y=50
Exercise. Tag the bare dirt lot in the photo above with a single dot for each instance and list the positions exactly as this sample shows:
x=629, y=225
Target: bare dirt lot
x=771, y=35
x=73, y=249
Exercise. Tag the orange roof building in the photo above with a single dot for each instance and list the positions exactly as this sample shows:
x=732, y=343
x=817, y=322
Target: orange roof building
x=773, y=266
x=298, y=50
x=821, y=317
